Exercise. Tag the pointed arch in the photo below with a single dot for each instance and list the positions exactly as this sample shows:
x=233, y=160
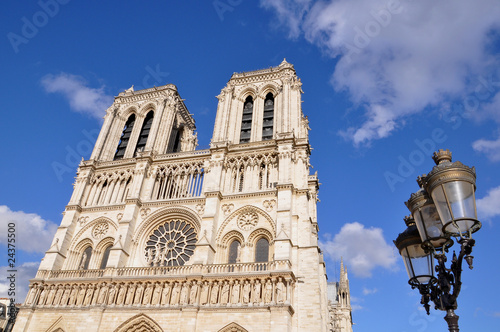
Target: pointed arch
x=125, y=137
x=233, y=327
x=270, y=224
x=139, y=323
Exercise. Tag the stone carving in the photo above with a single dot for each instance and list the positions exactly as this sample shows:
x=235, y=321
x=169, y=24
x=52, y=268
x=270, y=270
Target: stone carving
x=214, y=296
x=200, y=208
x=121, y=294
x=268, y=292
x=165, y=296
x=145, y=212
x=111, y=295
x=269, y=204
x=256, y=292
x=248, y=221
x=138, y=294
x=184, y=294
x=171, y=244
x=193, y=293
x=224, y=296
x=156, y=294
x=241, y=292
x=148, y=292
x=100, y=230
x=235, y=293
x=227, y=208
x=174, y=300
x=119, y=217
x=246, y=292
x=280, y=291
x=83, y=219
x=204, y=293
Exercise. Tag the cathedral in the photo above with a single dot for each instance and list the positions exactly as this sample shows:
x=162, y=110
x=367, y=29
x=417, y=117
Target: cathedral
x=158, y=236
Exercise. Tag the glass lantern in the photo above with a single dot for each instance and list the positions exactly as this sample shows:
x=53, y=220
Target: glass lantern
x=418, y=262
x=452, y=187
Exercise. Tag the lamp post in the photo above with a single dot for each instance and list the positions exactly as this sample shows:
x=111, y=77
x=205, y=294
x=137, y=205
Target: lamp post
x=443, y=208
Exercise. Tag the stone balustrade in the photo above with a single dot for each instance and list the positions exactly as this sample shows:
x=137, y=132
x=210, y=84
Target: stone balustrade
x=185, y=270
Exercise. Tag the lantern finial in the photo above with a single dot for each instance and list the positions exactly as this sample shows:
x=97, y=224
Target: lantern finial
x=442, y=156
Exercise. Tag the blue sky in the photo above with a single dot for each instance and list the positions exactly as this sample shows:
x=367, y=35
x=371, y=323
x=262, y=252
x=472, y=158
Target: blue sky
x=385, y=82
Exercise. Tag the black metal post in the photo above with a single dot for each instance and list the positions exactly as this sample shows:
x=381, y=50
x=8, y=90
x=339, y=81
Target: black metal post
x=452, y=319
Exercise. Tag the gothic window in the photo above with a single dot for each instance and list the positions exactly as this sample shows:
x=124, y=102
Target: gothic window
x=85, y=259
x=242, y=179
x=105, y=257
x=125, y=137
x=143, y=136
x=262, y=250
x=234, y=252
x=246, y=121
x=267, y=124
x=171, y=244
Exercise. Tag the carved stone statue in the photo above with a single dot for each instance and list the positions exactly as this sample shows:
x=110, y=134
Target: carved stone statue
x=256, y=292
x=81, y=295
x=246, y=292
x=111, y=295
x=102, y=293
x=130, y=295
x=148, y=292
x=82, y=262
x=214, y=296
x=268, y=295
x=280, y=291
x=43, y=296
x=165, y=295
x=224, y=297
x=121, y=294
x=204, y=293
x=31, y=297
x=58, y=296
x=50, y=297
x=174, y=300
x=138, y=294
x=156, y=294
x=73, y=295
x=184, y=293
x=88, y=296
x=235, y=294
x=193, y=293
x=65, y=296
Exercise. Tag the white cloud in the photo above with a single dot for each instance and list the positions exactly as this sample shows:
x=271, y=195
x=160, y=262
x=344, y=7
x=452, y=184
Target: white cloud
x=82, y=98
x=367, y=291
x=32, y=233
x=23, y=274
x=490, y=148
x=363, y=249
x=489, y=206
x=398, y=57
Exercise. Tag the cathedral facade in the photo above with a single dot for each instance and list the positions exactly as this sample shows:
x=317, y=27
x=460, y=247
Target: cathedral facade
x=159, y=236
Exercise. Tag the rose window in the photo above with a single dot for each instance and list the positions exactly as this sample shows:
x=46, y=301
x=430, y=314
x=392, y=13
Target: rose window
x=248, y=221
x=171, y=244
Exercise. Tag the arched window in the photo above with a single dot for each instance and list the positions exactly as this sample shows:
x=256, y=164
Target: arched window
x=143, y=136
x=246, y=120
x=267, y=124
x=177, y=142
x=127, y=131
x=84, y=261
x=234, y=252
x=105, y=257
x=262, y=250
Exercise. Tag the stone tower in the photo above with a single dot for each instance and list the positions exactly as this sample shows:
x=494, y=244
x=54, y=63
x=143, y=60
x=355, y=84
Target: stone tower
x=158, y=236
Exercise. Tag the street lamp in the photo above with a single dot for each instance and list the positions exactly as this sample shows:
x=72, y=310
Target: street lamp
x=443, y=208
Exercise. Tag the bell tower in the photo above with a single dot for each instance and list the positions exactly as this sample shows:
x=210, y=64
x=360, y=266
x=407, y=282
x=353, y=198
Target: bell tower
x=158, y=236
